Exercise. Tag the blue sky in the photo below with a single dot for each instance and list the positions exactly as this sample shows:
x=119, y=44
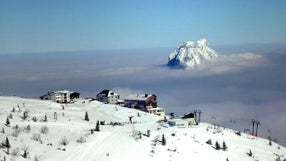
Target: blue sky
x=68, y=25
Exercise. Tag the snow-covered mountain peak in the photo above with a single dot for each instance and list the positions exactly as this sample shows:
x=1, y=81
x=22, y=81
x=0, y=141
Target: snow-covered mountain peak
x=199, y=43
x=191, y=54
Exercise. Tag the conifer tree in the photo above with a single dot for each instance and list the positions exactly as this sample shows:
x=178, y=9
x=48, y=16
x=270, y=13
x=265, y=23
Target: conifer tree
x=46, y=118
x=97, y=126
x=7, y=145
x=249, y=153
x=86, y=117
x=26, y=151
x=7, y=121
x=55, y=115
x=148, y=133
x=163, y=140
x=91, y=131
x=10, y=116
x=224, y=147
x=25, y=115
x=209, y=142
x=270, y=143
x=217, y=146
x=28, y=128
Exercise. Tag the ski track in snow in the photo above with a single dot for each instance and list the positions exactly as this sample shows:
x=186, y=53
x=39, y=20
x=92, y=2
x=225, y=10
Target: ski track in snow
x=84, y=151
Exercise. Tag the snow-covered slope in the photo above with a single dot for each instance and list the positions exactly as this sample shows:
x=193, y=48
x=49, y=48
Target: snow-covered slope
x=191, y=54
x=69, y=136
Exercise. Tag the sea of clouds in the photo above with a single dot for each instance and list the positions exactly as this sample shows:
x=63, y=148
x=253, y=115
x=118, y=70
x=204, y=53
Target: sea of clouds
x=244, y=83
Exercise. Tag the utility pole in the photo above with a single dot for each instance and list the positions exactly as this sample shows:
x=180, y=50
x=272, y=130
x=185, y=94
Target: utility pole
x=253, y=122
x=257, y=123
x=199, y=111
x=195, y=115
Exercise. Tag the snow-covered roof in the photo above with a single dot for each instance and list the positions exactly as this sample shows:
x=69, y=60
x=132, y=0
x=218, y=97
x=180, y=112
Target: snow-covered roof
x=139, y=97
x=108, y=93
x=63, y=91
x=154, y=109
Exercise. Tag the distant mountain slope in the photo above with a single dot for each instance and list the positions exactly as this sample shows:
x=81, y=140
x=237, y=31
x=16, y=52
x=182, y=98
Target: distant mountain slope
x=191, y=54
x=70, y=138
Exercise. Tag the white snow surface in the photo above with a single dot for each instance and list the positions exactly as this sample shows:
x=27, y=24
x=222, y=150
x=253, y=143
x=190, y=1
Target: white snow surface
x=117, y=143
x=191, y=54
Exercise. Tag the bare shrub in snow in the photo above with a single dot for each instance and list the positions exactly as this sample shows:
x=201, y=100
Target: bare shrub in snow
x=64, y=141
x=36, y=158
x=156, y=139
x=134, y=132
x=25, y=148
x=81, y=140
x=16, y=131
x=35, y=119
x=44, y=129
x=15, y=152
x=36, y=137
